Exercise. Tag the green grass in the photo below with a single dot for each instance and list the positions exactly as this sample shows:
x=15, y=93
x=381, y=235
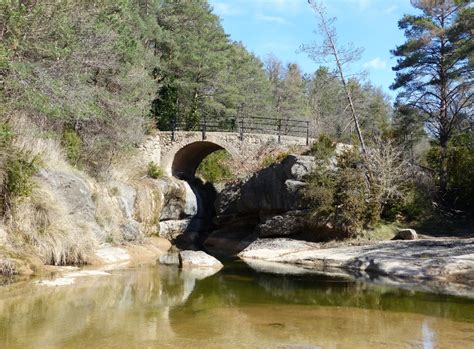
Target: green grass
x=155, y=171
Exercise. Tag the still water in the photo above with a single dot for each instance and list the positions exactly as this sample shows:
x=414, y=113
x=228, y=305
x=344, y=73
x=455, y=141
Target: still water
x=163, y=307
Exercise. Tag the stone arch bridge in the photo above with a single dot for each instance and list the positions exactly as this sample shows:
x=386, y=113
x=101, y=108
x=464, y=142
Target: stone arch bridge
x=179, y=153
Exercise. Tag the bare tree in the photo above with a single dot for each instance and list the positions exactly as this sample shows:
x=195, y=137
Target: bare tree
x=330, y=52
x=390, y=171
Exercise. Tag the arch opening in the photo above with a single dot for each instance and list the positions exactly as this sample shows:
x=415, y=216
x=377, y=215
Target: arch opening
x=188, y=158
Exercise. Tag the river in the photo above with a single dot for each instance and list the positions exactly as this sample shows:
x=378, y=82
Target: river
x=162, y=307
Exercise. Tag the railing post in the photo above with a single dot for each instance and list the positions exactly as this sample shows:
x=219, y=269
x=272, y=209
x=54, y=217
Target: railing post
x=279, y=131
x=203, y=128
x=307, y=132
x=241, y=129
x=173, y=129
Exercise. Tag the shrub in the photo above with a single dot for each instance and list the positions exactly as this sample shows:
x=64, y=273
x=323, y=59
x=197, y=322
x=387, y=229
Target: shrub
x=348, y=192
x=16, y=168
x=323, y=148
x=20, y=168
x=338, y=197
x=460, y=188
x=274, y=158
x=72, y=144
x=155, y=171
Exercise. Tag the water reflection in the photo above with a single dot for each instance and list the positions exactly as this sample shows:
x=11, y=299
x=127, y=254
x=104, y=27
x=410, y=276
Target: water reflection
x=161, y=306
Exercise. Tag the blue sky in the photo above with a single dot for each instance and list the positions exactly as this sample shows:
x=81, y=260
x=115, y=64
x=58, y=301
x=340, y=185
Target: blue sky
x=281, y=26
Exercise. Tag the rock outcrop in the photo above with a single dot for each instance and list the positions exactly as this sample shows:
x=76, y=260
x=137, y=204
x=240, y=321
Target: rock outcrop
x=442, y=265
x=74, y=193
x=270, y=202
x=273, y=189
x=285, y=224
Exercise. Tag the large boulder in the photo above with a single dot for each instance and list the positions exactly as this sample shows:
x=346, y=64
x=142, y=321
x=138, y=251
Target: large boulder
x=438, y=265
x=298, y=167
x=76, y=191
x=285, y=224
x=179, y=200
x=406, y=234
x=198, y=259
x=131, y=231
x=171, y=229
x=274, y=189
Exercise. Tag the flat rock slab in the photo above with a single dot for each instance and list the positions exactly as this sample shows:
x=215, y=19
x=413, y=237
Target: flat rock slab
x=111, y=254
x=448, y=265
x=198, y=259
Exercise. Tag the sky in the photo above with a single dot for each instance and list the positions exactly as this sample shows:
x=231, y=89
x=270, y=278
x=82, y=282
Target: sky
x=281, y=26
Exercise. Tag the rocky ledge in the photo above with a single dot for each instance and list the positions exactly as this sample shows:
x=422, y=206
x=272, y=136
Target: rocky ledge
x=441, y=266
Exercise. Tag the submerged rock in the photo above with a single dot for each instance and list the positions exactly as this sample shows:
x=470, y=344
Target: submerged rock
x=198, y=259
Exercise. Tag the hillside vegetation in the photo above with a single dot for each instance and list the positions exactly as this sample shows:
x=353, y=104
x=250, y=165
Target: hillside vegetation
x=83, y=82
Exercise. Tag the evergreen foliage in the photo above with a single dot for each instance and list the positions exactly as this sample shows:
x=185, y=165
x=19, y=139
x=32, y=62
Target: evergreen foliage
x=98, y=75
x=434, y=72
x=215, y=167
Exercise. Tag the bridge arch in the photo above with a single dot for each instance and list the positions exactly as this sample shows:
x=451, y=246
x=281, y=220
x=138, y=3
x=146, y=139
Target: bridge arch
x=182, y=157
x=188, y=158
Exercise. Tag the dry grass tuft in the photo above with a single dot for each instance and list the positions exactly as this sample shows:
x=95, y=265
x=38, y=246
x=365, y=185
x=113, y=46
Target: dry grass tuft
x=43, y=224
x=108, y=213
x=148, y=205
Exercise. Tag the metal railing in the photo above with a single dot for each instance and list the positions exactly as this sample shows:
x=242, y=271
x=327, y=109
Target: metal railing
x=242, y=126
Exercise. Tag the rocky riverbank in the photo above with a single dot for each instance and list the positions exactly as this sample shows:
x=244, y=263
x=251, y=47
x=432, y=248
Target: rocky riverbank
x=441, y=266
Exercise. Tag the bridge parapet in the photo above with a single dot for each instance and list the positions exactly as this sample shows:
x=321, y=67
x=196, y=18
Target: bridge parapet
x=245, y=126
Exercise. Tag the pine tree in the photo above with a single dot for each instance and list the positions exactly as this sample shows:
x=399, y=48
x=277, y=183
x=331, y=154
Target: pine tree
x=194, y=50
x=434, y=69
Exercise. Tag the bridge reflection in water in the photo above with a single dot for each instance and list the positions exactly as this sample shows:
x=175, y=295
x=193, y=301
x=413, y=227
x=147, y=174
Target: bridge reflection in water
x=157, y=306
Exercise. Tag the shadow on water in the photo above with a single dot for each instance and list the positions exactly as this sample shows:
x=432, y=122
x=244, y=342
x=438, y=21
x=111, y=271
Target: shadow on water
x=238, y=284
x=158, y=306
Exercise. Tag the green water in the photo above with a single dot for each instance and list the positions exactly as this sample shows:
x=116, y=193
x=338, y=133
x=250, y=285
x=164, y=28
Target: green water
x=163, y=307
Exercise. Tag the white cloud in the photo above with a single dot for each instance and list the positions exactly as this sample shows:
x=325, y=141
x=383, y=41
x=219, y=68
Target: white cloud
x=360, y=3
x=278, y=47
x=274, y=19
x=391, y=9
x=287, y=7
x=223, y=9
x=376, y=64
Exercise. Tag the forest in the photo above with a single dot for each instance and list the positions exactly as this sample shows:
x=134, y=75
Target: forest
x=98, y=76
